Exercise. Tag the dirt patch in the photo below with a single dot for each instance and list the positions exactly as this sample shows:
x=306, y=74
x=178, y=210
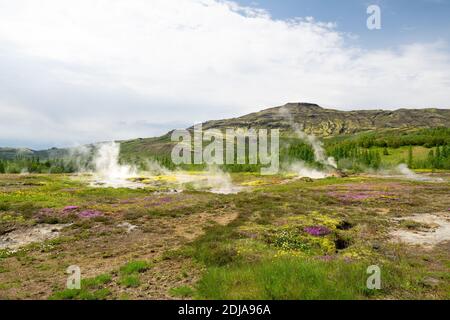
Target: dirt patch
x=18, y=238
x=193, y=226
x=383, y=211
x=225, y=218
x=438, y=232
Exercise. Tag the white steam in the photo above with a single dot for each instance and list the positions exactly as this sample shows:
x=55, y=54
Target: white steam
x=108, y=171
x=218, y=182
x=411, y=175
x=317, y=145
x=403, y=172
x=80, y=156
x=299, y=167
x=408, y=173
x=302, y=170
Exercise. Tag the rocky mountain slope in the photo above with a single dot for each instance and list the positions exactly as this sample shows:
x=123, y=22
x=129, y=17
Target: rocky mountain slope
x=328, y=122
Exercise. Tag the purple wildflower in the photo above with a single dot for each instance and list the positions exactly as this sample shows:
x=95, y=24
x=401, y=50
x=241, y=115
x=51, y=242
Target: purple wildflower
x=317, y=231
x=70, y=208
x=90, y=214
x=163, y=200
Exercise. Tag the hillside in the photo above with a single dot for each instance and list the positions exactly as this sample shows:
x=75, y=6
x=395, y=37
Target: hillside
x=311, y=117
x=328, y=122
x=314, y=120
x=13, y=153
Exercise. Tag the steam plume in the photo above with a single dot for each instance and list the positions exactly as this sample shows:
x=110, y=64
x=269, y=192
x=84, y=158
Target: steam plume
x=316, y=144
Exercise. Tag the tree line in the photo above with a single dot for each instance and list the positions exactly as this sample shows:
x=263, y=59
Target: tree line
x=36, y=165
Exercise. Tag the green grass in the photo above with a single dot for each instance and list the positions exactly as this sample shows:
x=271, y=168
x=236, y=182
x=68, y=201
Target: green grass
x=130, y=281
x=129, y=273
x=91, y=289
x=215, y=247
x=182, y=292
x=400, y=155
x=74, y=294
x=94, y=288
x=97, y=281
x=134, y=267
x=286, y=278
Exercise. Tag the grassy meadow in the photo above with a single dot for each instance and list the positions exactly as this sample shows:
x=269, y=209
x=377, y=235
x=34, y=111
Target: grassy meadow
x=282, y=238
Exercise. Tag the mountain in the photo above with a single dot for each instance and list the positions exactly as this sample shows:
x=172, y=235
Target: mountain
x=312, y=118
x=319, y=121
x=53, y=153
x=12, y=153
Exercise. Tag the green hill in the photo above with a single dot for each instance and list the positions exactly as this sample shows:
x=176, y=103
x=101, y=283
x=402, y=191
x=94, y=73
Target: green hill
x=340, y=130
x=313, y=119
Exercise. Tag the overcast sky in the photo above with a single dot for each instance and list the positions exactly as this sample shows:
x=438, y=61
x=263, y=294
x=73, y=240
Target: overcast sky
x=80, y=71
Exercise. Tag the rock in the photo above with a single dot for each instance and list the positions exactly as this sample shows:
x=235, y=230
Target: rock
x=127, y=226
x=430, y=282
x=337, y=173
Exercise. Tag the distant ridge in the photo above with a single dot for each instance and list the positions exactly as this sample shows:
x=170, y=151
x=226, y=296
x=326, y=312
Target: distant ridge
x=311, y=117
x=328, y=122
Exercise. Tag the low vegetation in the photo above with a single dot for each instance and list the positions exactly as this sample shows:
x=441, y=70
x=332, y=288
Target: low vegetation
x=286, y=239
x=419, y=149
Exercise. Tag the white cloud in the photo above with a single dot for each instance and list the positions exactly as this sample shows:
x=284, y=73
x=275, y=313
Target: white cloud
x=97, y=70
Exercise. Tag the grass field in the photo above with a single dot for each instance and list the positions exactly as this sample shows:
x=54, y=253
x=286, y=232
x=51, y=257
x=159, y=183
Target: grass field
x=400, y=155
x=281, y=238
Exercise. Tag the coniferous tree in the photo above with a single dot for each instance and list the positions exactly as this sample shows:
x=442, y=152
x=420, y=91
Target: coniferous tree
x=410, y=157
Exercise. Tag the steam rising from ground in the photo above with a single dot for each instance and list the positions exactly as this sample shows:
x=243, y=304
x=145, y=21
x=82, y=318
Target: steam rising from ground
x=109, y=172
x=218, y=182
x=303, y=170
x=408, y=173
x=403, y=171
x=319, y=152
x=316, y=144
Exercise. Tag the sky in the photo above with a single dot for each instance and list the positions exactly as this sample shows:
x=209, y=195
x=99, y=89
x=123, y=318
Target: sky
x=75, y=72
